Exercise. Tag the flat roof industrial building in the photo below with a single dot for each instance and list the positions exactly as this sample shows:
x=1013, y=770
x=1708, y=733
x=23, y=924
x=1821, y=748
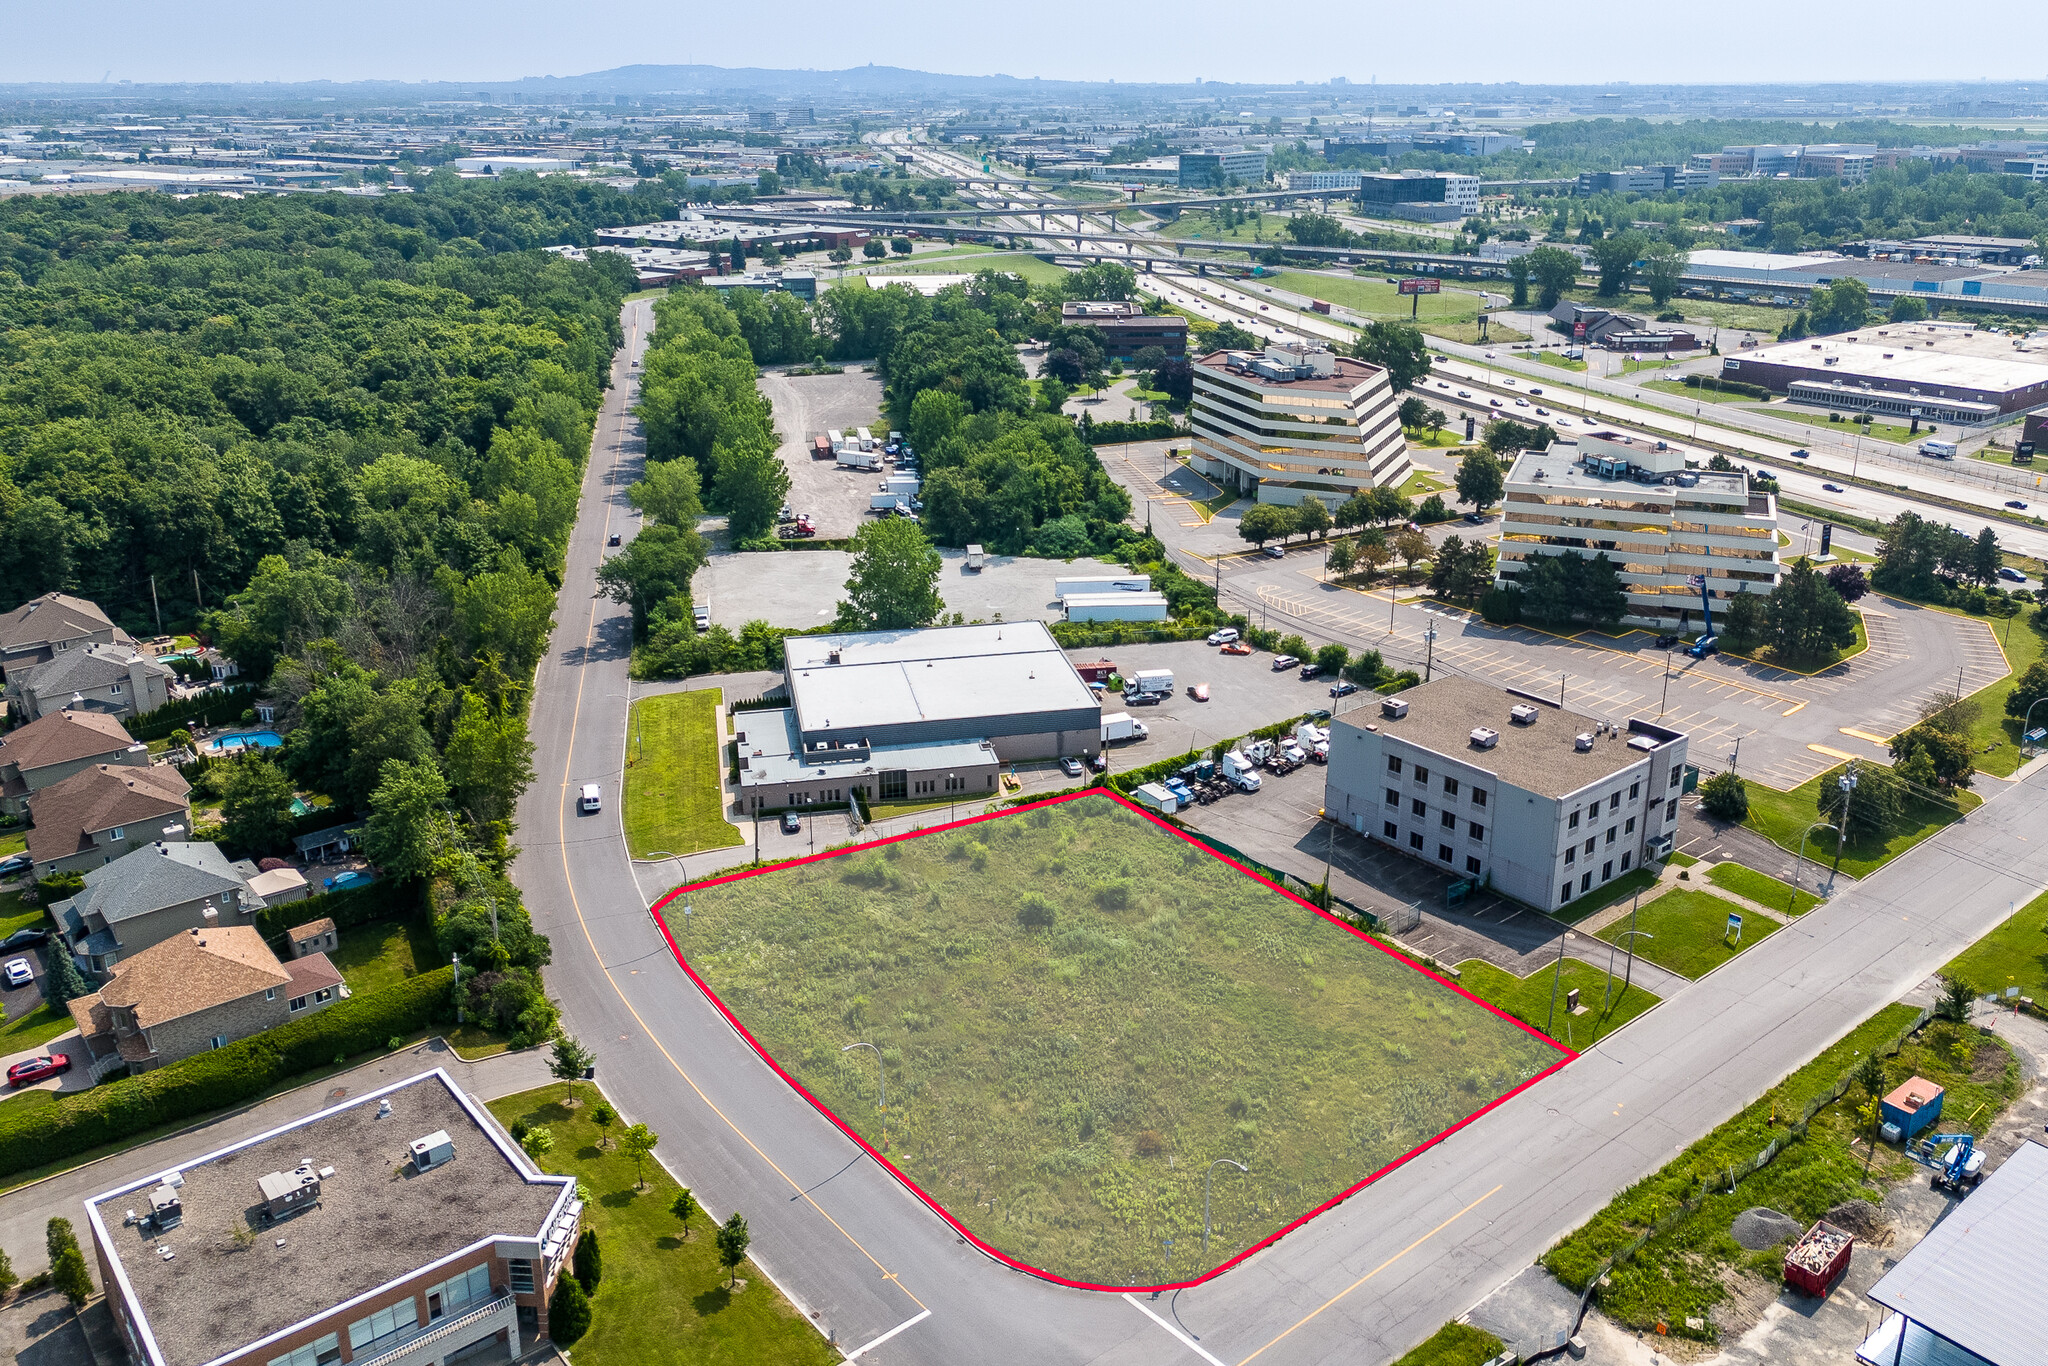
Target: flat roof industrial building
x=1895, y=362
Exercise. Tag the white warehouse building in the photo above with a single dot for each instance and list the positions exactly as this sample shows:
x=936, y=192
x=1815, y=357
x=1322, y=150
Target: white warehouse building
x=1539, y=803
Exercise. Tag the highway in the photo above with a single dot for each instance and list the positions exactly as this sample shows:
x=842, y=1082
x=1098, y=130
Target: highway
x=1360, y=1284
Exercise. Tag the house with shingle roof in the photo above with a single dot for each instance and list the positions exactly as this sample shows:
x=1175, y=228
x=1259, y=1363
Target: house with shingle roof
x=51, y=748
x=198, y=990
x=42, y=628
x=118, y=679
x=100, y=813
x=144, y=899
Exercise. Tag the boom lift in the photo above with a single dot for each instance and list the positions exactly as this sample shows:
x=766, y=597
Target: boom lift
x=1708, y=641
x=1958, y=1169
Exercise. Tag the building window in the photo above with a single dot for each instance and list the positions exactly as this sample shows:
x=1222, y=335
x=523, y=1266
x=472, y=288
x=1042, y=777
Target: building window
x=1417, y=806
x=1445, y=852
x=270, y=994
x=386, y=1322
x=1564, y=893
x=1449, y=820
x=114, y=691
x=1629, y=826
x=119, y=832
x=220, y=1041
x=1634, y=790
x=298, y=1003
x=1415, y=839
x=1472, y=864
x=456, y=1294
x=1450, y=787
x=1571, y=856
x=520, y=1271
x=1574, y=821
x=1674, y=813
x=1586, y=882
x=1624, y=860
x=1475, y=830
x=320, y=1352
x=1607, y=870
x=1478, y=796
x=1610, y=834
x=1393, y=763
x=1393, y=796
x=1421, y=774
x=1589, y=846
x=1593, y=811
x=323, y=995
x=1676, y=774
x=1614, y=801
x=1390, y=830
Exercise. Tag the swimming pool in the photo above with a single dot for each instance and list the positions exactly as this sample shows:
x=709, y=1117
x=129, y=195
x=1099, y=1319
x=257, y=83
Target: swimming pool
x=249, y=739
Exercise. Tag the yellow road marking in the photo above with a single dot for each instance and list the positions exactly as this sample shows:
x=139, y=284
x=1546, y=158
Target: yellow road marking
x=1834, y=753
x=1795, y=707
x=562, y=839
x=1375, y=1271
x=1866, y=735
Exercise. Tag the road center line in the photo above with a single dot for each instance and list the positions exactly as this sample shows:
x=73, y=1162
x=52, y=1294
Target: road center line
x=1181, y=1337
x=873, y=1343
x=1370, y=1274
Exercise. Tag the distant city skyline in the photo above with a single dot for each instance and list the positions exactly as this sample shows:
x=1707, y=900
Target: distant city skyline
x=1573, y=43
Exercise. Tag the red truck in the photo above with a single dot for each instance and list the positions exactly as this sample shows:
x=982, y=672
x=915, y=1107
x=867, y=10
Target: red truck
x=821, y=448
x=1319, y=305
x=1818, y=1260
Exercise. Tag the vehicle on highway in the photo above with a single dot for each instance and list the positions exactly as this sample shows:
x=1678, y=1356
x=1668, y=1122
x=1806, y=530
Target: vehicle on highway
x=591, y=801
x=1311, y=670
x=1489, y=355
x=1443, y=360
x=1274, y=552
x=1832, y=488
x=2011, y=575
x=1224, y=636
x=792, y=824
x=1441, y=385
x=1493, y=402
x=24, y=939
x=1521, y=403
x=1667, y=642
x=1282, y=663
x=1071, y=766
x=1801, y=454
x=612, y=539
x=2016, y=503
x=1542, y=411
x=1236, y=647
x=1508, y=382
x=15, y=863
x=36, y=1069
x=1343, y=688
x=1564, y=422
x=341, y=882
x=1535, y=392
x=1199, y=691
x=19, y=973
x=1464, y=393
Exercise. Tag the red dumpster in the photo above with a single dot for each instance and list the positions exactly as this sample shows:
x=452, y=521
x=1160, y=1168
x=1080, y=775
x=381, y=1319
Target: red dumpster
x=1818, y=1260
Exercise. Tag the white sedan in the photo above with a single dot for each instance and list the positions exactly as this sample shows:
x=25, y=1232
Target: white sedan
x=19, y=973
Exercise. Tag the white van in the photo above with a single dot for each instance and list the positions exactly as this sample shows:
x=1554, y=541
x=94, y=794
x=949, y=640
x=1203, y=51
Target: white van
x=1938, y=450
x=590, y=801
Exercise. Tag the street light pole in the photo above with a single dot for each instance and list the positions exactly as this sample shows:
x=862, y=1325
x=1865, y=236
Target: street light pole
x=1557, y=975
x=1207, y=1176
x=1847, y=782
x=1817, y=825
x=1630, y=935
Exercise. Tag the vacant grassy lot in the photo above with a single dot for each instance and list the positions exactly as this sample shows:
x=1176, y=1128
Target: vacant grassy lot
x=675, y=799
x=2013, y=955
x=1782, y=817
x=1375, y=298
x=1762, y=888
x=1454, y=1344
x=1077, y=1013
x=663, y=1297
x=1528, y=998
x=1687, y=931
x=1702, y=395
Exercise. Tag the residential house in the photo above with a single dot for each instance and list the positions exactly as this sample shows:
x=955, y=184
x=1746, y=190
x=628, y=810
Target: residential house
x=42, y=628
x=100, y=813
x=401, y=1226
x=118, y=679
x=51, y=748
x=132, y=903
x=198, y=990
x=315, y=936
x=329, y=844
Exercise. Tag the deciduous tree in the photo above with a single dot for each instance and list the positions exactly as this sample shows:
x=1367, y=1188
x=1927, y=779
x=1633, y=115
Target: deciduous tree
x=895, y=583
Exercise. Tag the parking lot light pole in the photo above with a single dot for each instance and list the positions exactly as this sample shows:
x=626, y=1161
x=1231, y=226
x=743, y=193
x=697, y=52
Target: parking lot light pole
x=1557, y=976
x=1847, y=782
x=1631, y=936
x=1797, y=863
x=1207, y=1176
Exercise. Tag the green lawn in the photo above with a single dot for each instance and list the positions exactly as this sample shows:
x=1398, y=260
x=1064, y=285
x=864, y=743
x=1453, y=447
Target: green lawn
x=1705, y=395
x=675, y=797
x=16, y=916
x=384, y=952
x=1622, y=888
x=1783, y=817
x=39, y=1026
x=1448, y=436
x=1077, y=1011
x=1687, y=931
x=1683, y=1272
x=13, y=841
x=1553, y=358
x=663, y=1297
x=1762, y=888
x=1528, y=998
x=1375, y=298
x=2013, y=955
x=1209, y=227
x=1455, y=1344
x=2022, y=641
x=1421, y=485
x=1879, y=431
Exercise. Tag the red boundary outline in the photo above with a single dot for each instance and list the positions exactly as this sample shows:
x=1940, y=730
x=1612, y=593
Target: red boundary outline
x=939, y=1209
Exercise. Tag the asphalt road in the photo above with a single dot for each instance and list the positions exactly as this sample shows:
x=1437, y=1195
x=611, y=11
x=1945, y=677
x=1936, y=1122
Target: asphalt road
x=1360, y=1284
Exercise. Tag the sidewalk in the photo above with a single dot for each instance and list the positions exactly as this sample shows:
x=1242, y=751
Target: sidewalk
x=25, y=1210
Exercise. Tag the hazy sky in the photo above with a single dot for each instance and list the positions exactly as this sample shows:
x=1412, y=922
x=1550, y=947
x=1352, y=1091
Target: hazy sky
x=1564, y=41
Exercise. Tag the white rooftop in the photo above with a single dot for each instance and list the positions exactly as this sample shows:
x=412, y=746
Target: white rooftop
x=1897, y=360
x=947, y=673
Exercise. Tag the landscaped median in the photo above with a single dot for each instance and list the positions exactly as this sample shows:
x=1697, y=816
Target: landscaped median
x=1543, y=1001
x=674, y=798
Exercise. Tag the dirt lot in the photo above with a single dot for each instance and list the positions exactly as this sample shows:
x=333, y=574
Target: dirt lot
x=807, y=405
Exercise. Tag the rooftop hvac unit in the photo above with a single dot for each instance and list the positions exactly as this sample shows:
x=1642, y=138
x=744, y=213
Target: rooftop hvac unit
x=1522, y=714
x=433, y=1150
x=1583, y=740
x=1393, y=707
x=1485, y=737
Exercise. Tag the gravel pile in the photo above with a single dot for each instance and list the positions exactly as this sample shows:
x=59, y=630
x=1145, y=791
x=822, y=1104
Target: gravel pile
x=1759, y=1228
x=1859, y=1217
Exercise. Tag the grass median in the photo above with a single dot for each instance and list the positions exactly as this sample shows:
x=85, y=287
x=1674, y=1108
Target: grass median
x=1783, y=817
x=1762, y=888
x=1076, y=1012
x=663, y=1297
x=675, y=798
x=1607, y=1005
x=1687, y=932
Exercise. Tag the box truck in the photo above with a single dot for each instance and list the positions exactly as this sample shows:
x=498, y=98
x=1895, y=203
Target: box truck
x=976, y=557
x=884, y=503
x=1157, y=798
x=1121, y=725
x=866, y=439
x=852, y=457
x=1159, y=681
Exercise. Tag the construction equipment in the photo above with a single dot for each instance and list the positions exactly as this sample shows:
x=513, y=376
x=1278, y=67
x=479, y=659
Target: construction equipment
x=1708, y=641
x=1959, y=1168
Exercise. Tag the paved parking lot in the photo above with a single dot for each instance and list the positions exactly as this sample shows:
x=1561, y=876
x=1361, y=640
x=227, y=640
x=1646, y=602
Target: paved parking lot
x=803, y=587
x=806, y=405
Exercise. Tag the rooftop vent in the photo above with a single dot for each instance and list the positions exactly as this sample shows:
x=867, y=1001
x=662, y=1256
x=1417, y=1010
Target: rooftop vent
x=288, y=1192
x=1486, y=737
x=384, y=1109
x=1393, y=708
x=434, y=1150
x=1583, y=741
x=165, y=1208
x=1522, y=714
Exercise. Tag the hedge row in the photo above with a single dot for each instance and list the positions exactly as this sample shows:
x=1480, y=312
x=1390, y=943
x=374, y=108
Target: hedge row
x=1107, y=433
x=354, y=906
x=222, y=706
x=1732, y=386
x=220, y=1078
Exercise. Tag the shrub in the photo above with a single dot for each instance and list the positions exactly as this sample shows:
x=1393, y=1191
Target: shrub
x=568, y=1312
x=1035, y=912
x=1725, y=797
x=1501, y=606
x=589, y=1262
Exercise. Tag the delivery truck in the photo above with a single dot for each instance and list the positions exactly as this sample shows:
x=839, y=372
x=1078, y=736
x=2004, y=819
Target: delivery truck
x=1121, y=725
x=866, y=439
x=852, y=457
x=976, y=557
x=1150, y=681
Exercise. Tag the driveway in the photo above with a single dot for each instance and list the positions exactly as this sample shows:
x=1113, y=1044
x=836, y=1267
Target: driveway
x=79, y=1078
x=807, y=406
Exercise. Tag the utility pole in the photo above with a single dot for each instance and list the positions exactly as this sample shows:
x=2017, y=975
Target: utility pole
x=1665, y=701
x=156, y=606
x=1557, y=976
x=1847, y=782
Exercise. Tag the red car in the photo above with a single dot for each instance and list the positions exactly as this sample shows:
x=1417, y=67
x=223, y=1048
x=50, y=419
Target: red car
x=35, y=1069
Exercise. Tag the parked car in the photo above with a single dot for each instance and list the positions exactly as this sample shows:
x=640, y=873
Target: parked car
x=1311, y=670
x=1282, y=663
x=1236, y=647
x=612, y=539
x=1343, y=688
x=1143, y=699
x=19, y=973
x=1097, y=763
x=1832, y=488
x=341, y=882
x=25, y=939
x=1667, y=642
x=791, y=823
x=2005, y=571
x=35, y=1069
x=1199, y=691
x=1274, y=552
x=15, y=863
x=1224, y=636
x=1071, y=766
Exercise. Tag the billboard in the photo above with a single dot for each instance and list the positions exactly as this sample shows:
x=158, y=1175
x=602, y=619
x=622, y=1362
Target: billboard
x=1420, y=286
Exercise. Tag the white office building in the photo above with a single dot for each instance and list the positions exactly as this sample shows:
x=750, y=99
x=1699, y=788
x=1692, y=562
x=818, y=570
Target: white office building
x=1669, y=527
x=1295, y=421
x=1513, y=792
